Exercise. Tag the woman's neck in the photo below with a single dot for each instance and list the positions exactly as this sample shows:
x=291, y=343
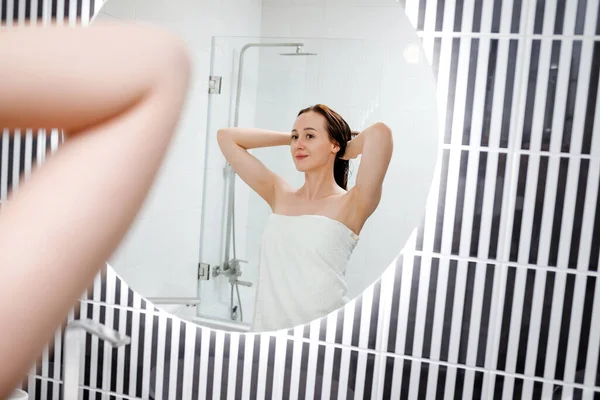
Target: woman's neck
x=318, y=185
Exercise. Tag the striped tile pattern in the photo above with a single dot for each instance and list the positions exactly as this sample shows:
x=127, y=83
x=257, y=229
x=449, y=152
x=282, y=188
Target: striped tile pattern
x=19, y=12
x=519, y=388
x=477, y=80
x=553, y=218
x=466, y=211
x=20, y=153
x=468, y=16
x=442, y=309
x=552, y=331
x=416, y=379
x=497, y=293
x=173, y=360
x=559, y=96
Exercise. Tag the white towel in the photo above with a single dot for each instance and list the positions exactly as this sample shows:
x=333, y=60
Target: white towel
x=301, y=272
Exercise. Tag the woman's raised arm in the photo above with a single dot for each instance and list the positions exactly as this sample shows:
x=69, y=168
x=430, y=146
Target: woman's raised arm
x=117, y=91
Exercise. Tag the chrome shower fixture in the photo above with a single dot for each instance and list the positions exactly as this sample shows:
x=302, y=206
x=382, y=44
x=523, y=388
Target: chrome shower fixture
x=298, y=52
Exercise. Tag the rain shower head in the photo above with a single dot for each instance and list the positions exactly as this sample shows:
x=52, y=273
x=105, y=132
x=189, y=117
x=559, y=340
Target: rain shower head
x=298, y=52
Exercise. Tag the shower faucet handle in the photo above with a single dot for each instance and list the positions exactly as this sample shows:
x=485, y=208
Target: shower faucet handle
x=235, y=263
x=235, y=281
x=243, y=283
x=230, y=268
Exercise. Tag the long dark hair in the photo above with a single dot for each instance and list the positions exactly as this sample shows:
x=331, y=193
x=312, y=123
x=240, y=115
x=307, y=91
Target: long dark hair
x=340, y=133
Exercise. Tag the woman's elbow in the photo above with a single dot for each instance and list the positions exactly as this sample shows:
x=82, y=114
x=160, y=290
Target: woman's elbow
x=223, y=134
x=385, y=132
x=223, y=137
x=383, y=127
x=227, y=139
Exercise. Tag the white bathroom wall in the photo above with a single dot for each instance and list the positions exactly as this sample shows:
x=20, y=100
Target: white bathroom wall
x=160, y=254
x=359, y=19
x=367, y=69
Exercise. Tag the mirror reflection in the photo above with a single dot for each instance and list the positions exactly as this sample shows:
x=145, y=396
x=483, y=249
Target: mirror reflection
x=311, y=160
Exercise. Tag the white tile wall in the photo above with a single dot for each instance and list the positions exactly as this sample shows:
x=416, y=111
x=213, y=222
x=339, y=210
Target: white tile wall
x=334, y=19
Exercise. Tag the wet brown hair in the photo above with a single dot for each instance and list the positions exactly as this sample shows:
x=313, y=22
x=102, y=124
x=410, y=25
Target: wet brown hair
x=340, y=133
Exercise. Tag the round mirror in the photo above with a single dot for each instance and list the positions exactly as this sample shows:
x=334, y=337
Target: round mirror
x=211, y=250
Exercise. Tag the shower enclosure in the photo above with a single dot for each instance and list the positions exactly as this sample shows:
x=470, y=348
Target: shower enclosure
x=264, y=82
x=244, y=87
x=231, y=265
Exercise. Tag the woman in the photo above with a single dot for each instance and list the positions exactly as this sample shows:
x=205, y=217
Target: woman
x=313, y=230
x=117, y=91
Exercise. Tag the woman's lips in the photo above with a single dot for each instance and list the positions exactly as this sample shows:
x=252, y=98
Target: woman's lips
x=301, y=157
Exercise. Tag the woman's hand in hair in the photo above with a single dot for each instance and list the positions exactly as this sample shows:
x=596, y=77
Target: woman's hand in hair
x=354, y=147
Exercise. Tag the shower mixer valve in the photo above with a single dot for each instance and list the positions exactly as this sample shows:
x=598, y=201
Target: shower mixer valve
x=235, y=264
x=230, y=268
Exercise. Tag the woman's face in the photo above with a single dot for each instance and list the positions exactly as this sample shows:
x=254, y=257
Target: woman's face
x=311, y=147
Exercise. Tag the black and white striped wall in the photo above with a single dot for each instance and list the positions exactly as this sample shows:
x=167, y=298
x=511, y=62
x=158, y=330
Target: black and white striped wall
x=497, y=294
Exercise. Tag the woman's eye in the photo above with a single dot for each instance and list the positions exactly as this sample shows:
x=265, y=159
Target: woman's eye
x=309, y=136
